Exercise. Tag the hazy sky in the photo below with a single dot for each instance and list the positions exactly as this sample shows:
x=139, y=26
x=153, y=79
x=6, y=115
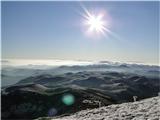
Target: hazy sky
x=54, y=30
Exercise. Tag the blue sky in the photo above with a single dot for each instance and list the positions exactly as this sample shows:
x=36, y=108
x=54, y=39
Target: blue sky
x=54, y=30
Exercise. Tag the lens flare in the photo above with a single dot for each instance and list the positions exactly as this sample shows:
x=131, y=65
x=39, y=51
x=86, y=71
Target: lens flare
x=52, y=112
x=68, y=99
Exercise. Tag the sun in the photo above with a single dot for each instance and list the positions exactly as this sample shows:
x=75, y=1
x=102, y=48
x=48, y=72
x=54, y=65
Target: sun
x=95, y=23
x=98, y=22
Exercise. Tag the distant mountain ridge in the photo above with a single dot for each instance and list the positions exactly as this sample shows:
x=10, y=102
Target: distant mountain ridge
x=13, y=74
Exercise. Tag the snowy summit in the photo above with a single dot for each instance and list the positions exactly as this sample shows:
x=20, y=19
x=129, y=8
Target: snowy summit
x=147, y=109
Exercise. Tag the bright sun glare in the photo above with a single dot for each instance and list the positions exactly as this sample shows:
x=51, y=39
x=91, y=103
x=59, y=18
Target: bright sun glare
x=95, y=23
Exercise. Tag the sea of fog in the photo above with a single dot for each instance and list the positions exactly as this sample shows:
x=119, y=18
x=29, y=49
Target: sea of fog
x=40, y=64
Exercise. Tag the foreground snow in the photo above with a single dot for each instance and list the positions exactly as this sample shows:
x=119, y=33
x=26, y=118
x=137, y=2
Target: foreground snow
x=148, y=109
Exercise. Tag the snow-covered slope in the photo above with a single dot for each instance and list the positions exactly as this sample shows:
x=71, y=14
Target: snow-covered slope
x=147, y=109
